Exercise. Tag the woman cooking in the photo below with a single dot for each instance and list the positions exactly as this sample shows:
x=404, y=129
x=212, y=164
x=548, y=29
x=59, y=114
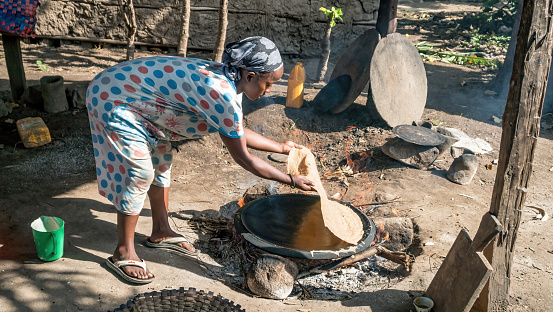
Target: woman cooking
x=138, y=107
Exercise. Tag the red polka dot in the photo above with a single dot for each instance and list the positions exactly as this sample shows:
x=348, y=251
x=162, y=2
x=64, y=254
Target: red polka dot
x=117, y=102
x=142, y=185
x=162, y=101
x=179, y=97
x=214, y=94
x=98, y=128
x=102, y=193
x=217, y=65
x=110, y=168
x=129, y=88
x=192, y=109
x=122, y=169
x=104, y=95
x=114, y=136
x=202, y=127
x=143, y=69
x=116, y=199
x=228, y=122
x=163, y=168
x=135, y=79
x=204, y=104
x=187, y=60
x=139, y=153
x=162, y=148
x=225, y=84
x=239, y=128
x=168, y=69
x=204, y=71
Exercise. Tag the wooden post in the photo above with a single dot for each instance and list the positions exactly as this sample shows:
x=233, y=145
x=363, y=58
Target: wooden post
x=386, y=22
x=14, y=63
x=521, y=125
x=222, y=33
x=129, y=16
x=185, y=28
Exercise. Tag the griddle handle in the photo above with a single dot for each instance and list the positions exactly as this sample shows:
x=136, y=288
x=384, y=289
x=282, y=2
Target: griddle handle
x=489, y=228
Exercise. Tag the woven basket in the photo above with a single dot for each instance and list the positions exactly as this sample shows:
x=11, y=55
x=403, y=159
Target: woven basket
x=178, y=300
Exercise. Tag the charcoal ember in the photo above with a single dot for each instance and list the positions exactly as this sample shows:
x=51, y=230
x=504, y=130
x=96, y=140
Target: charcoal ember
x=272, y=276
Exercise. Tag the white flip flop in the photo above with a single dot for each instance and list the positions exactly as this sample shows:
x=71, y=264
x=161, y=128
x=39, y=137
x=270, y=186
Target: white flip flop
x=117, y=267
x=171, y=243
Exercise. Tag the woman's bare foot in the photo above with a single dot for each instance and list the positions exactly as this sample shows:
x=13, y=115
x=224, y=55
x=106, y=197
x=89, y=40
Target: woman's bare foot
x=133, y=271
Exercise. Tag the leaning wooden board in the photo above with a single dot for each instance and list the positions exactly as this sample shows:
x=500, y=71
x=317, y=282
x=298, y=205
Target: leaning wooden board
x=398, y=86
x=465, y=270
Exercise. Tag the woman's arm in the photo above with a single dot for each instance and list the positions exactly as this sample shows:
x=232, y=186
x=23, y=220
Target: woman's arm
x=239, y=152
x=261, y=143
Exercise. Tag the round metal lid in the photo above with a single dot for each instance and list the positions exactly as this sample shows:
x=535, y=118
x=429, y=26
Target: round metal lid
x=419, y=135
x=287, y=225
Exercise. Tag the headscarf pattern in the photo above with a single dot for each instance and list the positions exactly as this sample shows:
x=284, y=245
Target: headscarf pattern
x=256, y=54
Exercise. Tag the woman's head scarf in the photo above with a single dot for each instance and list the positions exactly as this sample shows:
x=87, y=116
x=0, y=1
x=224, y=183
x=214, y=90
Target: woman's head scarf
x=256, y=54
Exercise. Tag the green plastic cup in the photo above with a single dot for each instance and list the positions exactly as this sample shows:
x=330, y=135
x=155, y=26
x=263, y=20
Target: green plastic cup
x=48, y=235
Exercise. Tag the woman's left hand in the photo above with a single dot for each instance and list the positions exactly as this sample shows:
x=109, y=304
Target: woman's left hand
x=288, y=145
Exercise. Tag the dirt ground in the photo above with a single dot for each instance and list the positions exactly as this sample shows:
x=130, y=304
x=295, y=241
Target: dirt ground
x=58, y=179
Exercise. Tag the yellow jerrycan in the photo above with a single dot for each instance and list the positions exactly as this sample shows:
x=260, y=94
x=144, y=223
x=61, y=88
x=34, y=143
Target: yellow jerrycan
x=33, y=132
x=294, y=96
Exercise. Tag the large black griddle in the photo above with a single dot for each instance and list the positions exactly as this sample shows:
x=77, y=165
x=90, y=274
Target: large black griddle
x=291, y=225
x=419, y=135
x=350, y=75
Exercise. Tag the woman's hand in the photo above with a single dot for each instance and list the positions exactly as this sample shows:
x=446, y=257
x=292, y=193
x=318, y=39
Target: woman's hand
x=303, y=183
x=288, y=145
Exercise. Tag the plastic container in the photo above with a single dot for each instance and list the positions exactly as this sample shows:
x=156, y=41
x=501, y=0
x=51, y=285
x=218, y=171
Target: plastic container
x=423, y=304
x=33, y=132
x=48, y=233
x=294, y=96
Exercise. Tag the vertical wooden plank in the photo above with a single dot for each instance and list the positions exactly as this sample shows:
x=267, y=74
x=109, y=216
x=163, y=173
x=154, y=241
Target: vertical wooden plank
x=521, y=125
x=386, y=22
x=14, y=63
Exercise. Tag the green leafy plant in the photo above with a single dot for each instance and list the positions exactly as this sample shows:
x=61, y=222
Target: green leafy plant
x=428, y=53
x=42, y=66
x=332, y=15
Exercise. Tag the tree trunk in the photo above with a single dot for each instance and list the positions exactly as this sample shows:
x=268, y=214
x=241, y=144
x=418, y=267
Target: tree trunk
x=222, y=33
x=521, y=125
x=386, y=22
x=185, y=26
x=14, y=63
x=325, y=54
x=127, y=11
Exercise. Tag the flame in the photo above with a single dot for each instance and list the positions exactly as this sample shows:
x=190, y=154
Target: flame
x=241, y=202
x=360, y=199
x=395, y=211
x=350, y=127
x=386, y=236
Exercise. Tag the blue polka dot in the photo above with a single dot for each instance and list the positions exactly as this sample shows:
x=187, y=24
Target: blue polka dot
x=191, y=130
x=191, y=66
x=120, y=76
x=119, y=157
x=115, y=90
x=98, y=171
x=91, y=125
x=132, y=173
x=219, y=108
x=158, y=73
x=193, y=119
x=98, y=76
x=109, y=70
x=150, y=63
x=233, y=133
x=191, y=101
x=117, y=177
x=95, y=89
x=201, y=90
x=118, y=188
x=108, y=175
x=94, y=101
x=209, y=81
x=126, y=152
x=167, y=157
x=214, y=118
x=227, y=96
x=162, y=60
x=127, y=68
x=104, y=164
x=105, y=117
x=164, y=90
x=96, y=153
x=104, y=183
x=236, y=117
x=130, y=100
x=180, y=73
x=211, y=130
x=100, y=139
x=172, y=84
x=137, y=62
x=108, y=106
x=155, y=160
x=146, y=91
x=110, y=197
x=94, y=139
x=111, y=156
x=124, y=204
x=149, y=81
x=87, y=92
x=204, y=116
x=195, y=77
x=143, y=98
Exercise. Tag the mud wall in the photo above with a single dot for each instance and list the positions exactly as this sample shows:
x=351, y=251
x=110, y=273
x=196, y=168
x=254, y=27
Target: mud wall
x=295, y=25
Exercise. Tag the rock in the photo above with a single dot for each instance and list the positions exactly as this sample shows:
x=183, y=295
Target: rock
x=449, y=142
x=272, y=276
x=400, y=232
x=228, y=210
x=462, y=169
x=255, y=192
x=281, y=158
x=33, y=97
x=476, y=146
x=411, y=154
x=76, y=96
x=423, y=123
x=3, y=109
